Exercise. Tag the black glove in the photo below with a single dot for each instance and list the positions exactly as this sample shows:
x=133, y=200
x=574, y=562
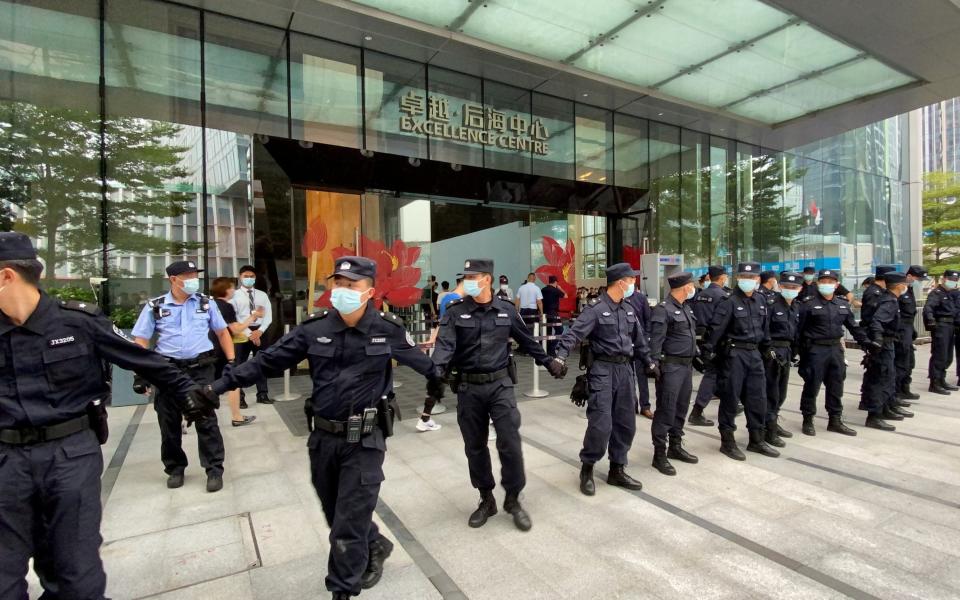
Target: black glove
x=873, y=346
x=929, y=326
x=140, y=385
x=710, y=357
x=557, y=367
x=653, y=371
x=697, y=363
x=435, y=388
x=580, y=392
x=199, y=403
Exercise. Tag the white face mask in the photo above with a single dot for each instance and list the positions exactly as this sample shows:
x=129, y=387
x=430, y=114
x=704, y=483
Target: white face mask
x=504, y=286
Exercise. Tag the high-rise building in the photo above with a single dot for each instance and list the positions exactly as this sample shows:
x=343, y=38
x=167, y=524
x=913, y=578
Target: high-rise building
x=941, y=136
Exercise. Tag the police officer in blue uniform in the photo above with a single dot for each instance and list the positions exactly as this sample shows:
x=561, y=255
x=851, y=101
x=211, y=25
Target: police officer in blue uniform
x=905, y=357
x=878, y=395
x=182, y=319
x=738, y=342
x=673, y=345
x=52, y=421
x=641, y=308
x=473, y=345
x=704, y=305
x=349, y=349
x=939, y=316
x=823, y=316
x=616, y=341
x=783, y=310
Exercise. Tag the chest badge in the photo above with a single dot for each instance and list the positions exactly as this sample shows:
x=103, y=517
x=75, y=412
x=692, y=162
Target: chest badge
x=606, y=314
x=503, y=316
x=676, y=312
x=165, y=312
x=324, y=340
x=818, y=307
x=739, y=308
x=62, y=341
x=779, y=313
x=629, y=314
x=464, y=316
x=378, y=340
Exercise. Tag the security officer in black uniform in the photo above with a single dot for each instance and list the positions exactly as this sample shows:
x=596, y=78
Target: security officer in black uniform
x=641, y=308
x=739, y=340
x=673, y=345
x=809, y=288
x=822, y=319
x=784, y=310
x=704, y=305
x=878, y=395
x=473, y=344
x=873, y=294
x=616, y=341
x=939, y=316
x=349, y=349
x=905, y=357
x=768, y=285
x=52, y=421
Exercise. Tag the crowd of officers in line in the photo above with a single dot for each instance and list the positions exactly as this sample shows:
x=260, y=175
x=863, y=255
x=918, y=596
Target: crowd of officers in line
x=52, y=415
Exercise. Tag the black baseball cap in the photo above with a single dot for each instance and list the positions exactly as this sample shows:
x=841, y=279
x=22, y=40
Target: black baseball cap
x=477, y=266
x=882, y=270
x=16, y=246
x=895, y=277
x=679, y=280
x=179, y=267
x=917, y=271
x=619, y=271
x=829, y=274
x=791, y=277
x=748, y=268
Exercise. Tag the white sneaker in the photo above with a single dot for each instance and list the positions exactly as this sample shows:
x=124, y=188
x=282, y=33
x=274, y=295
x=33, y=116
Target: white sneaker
x=428, y=426
x=438, y=409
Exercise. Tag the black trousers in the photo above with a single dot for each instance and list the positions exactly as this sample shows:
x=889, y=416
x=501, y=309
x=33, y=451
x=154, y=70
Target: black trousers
x=822, y=365
x=347, y=478
x=777, y=377
x=905, y=356
x=243, y=353
x=643, y=385
x=209, y=440
x=743, y=382
x=673, y=401
x=477, y=404
x=50, y=510
x=554, y=330
x=879, y=380
x=611, y=412
x=941, y=350
x=708, y=385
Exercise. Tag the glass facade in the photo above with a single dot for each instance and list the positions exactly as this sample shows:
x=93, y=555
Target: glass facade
x=152, y=134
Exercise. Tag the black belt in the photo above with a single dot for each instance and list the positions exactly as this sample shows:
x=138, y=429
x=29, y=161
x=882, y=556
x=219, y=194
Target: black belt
x=743, y=345
x=35, y=435
x=890, y=338
x=618, y=359
x=782, y=344
x=833, y=342
x=334, y=427
x=679, y=360
x=484, y=377
x=196, y=361
x=945, y=320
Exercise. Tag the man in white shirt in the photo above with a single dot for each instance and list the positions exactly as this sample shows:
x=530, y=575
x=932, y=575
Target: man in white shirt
x=530, y=301
x=250, y=342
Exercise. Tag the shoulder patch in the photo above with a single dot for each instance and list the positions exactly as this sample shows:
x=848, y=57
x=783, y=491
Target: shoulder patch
x=87, y=307
x=320, y=314
x=391, y=318
x=156, y=301
x=594, y=301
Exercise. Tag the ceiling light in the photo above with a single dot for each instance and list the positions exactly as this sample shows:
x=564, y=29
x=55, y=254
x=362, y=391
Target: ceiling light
x=368, y=38
x=585, y=94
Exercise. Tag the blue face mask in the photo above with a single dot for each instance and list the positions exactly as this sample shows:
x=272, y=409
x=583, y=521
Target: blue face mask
x=630, y=290
x=472, y=287
x=790, y=294
x=949, y=284
x=346, y=300
x=747, y=285
x=826, y=289
x=191, y=286
x=248, y=281
x=706, y=284
x=808, y=277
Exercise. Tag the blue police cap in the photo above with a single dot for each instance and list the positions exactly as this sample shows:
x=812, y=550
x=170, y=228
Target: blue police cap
x=16, y=246
x=679, y=280
x=619, y=271
x=917, y=271
x=179, y=267
x=829, y=274
x=882, y=270
x=894, y=277
x=748, y=268
x=715, y=271
x=355, y=268
x=478, y=266
x=791, y=277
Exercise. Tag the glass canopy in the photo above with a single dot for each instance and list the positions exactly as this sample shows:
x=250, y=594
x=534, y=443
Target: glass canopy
x=741, y=56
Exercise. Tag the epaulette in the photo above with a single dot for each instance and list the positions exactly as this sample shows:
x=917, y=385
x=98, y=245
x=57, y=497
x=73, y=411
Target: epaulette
x=392, y=318
x=594, y=302
x=455, y=301
x=85, y=307
x=806, y=298
x=155, y=301
x=320, y=314
x=726, y=294
x=877, y=291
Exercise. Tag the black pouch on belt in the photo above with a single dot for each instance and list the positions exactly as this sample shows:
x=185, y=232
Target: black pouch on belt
x=387, y=411
x=512, y=370
x=97, y=414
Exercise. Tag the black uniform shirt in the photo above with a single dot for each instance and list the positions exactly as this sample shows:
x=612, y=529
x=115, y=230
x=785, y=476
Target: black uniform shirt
x=475, y=337
x=824, y=320
x=871, y=296
x=740, y=318
x=886, y=317
x=641, y=308
x=706, y=303
x=349, y=366
x=908, y=306
x=939, y=305
x=783, y=318
x=673, y=330
x=613, y=329
x=51, y=367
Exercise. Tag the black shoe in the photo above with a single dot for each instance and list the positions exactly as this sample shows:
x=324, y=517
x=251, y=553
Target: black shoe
x=175, y=480
x=587, y=485
x=758, y=445
x=936, y=389
x=728, y=446
x=906, y=394
x=889, y=415
x=874, y=421
x=808, y=427
x=341, y=596
x=676, y=452
x=263, y=398
x=511, y=504
x=379, y=551
x=947, y=386
x=487, y=508
x=214, y=482
x=783, y=432
x=902, y=403
x=660, y=461
x=771, y=437
x=243, y=403
x=697, y=418
x=618, y=477
x=902, y=412
x=836, y=425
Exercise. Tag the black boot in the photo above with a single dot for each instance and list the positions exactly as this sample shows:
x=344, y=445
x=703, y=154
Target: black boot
x=587, y=487
x=676, y=452
x=728, y=445
x=341, y=596
x=901, y=403
x=697, y=418
x=874, y=421
x=487, y=508
x=783, y=432
x=771, y=437
x=808, y=428
x=901, y=411
x=263, y=398
x=618, y=477
x=906, y=394
x=521, y=519
x=889, y=415
x=660, y=461
x=759, y=446
x=379, y=551
x=836, y=425
x=947, y=386
x=937, y=389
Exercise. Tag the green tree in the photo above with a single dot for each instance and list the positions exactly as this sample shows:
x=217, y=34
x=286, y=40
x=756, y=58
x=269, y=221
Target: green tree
x=941, y=221
x=50, y=169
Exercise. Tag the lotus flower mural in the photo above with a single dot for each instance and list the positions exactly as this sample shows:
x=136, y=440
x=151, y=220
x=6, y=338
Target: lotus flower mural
x=397, y=278
x=561, y=263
